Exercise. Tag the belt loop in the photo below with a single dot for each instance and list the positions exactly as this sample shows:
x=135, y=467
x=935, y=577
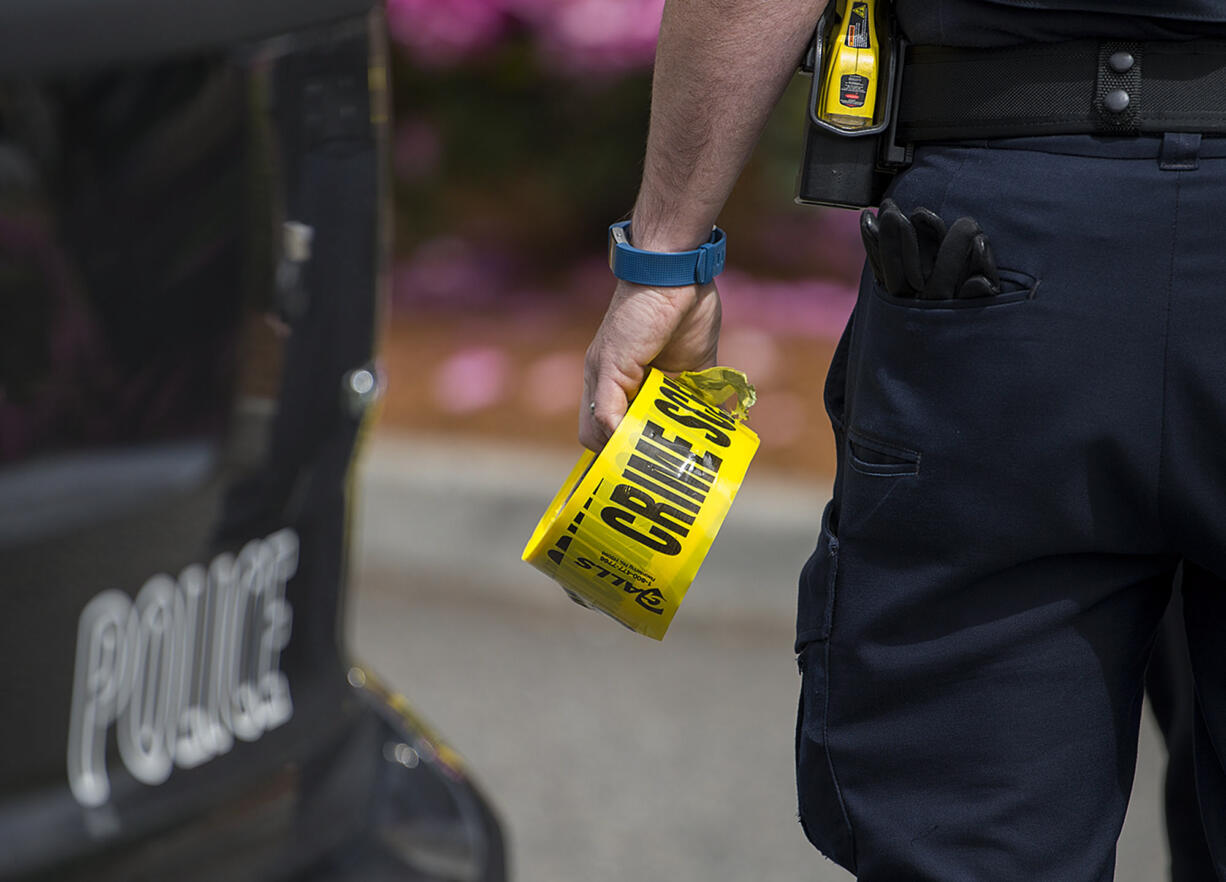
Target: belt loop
x=1117, y=87
x=1180, y=151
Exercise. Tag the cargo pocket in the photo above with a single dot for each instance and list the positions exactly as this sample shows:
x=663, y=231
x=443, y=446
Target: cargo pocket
x=872, y=456
x=822, y=813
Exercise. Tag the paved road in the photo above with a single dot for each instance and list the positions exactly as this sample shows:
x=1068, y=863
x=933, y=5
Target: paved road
x=613, y=758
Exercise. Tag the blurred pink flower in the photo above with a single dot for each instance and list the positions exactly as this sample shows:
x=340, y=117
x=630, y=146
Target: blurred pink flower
x=471, y=379
x=589, y=279
x=838, y=234
x=573, y=36
x=595, y=36
x=806, y=307
x=416, y=149
x=449, y=271
x=821, y=240
x=532, y=12
x=439, y=33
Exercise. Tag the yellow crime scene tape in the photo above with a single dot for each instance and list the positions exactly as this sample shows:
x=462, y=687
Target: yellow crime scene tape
x=631, y=525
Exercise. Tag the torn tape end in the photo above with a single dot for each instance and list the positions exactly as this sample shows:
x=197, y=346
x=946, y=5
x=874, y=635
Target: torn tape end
x=719, y=385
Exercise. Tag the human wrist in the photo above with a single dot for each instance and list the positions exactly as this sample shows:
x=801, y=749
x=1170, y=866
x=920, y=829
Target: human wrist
x=660, y=226
x=666, y=240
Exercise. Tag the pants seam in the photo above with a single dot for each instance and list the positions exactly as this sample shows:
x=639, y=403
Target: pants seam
x=1166, y=348
x=838, y=788
x=949, y=183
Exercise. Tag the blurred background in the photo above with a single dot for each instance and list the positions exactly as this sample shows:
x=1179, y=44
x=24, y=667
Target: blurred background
x=518, y=139
x=518, y=133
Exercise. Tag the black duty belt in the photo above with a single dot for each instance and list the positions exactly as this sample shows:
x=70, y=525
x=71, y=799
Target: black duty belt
x=1081, y=87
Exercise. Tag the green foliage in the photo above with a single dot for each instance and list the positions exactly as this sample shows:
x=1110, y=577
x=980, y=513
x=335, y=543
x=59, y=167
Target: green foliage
x=526, y=159
x=532, y=163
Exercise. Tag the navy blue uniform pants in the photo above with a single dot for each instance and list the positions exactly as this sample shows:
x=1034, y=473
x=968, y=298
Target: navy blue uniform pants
x=1019, y=478
x=1168, y=686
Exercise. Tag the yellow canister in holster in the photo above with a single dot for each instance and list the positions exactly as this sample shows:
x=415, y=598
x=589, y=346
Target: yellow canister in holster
x=852, y=69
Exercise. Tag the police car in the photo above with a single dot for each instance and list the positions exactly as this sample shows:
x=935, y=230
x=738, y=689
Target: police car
x=192, y=249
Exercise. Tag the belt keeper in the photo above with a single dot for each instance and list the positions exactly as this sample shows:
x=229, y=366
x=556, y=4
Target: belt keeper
x=1117, y=88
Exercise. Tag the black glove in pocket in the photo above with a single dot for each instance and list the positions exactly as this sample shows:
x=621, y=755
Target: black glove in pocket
x=919, y=257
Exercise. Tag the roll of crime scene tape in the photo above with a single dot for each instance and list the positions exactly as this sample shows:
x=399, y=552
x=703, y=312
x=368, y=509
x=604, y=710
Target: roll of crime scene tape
x=631, y=525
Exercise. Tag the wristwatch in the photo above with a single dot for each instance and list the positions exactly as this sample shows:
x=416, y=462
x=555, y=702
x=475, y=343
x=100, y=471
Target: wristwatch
x=665, y=269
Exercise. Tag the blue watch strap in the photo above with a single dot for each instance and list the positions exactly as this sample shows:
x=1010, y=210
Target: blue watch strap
x=665, y=269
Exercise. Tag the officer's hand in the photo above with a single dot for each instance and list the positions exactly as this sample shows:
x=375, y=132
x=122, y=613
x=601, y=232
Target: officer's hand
x=673, y=329
x=918, y=257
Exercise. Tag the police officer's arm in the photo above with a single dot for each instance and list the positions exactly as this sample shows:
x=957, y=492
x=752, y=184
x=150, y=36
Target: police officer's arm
x=721, y=66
